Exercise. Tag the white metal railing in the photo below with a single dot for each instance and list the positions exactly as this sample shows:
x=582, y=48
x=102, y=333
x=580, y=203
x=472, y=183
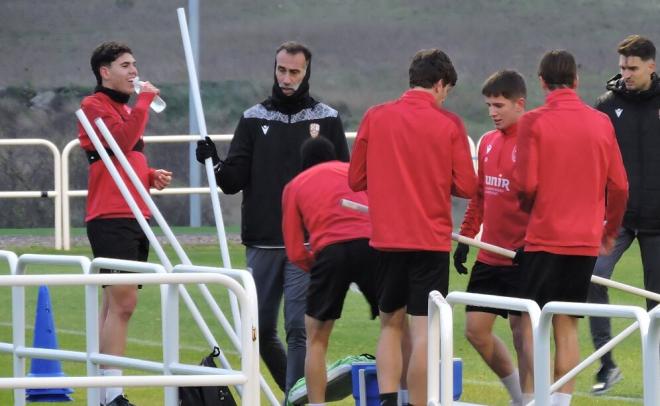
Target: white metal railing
x=247, y=376
x=67, y=194
x=475, y=299
x=440, y=328
x=440, y=347
x=650, y=370
x=130, y=200
x=62, y=168
x=61, y=174
x=55, y=194
x=542, y=348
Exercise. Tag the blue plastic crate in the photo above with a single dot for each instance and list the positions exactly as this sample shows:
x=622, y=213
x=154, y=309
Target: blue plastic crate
x=371, y=382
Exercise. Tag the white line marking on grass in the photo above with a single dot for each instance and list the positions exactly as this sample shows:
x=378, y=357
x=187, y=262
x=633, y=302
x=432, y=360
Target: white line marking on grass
x=580, y=394
x=138, y=341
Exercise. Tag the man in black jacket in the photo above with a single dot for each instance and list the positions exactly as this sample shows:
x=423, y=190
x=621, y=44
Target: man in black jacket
x=263, y=157
x=632, y=102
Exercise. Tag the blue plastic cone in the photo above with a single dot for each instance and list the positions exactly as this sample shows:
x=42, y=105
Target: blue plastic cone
x=45, y=337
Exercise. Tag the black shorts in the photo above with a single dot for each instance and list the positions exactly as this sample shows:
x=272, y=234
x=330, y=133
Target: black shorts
x=120, y=238
x=550, y=277
x=409, y=277
x=494, y=280
x=335, y=267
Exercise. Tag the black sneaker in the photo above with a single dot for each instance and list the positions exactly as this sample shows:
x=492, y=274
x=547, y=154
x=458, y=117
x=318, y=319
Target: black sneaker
x=605, y=379
x=120, y=401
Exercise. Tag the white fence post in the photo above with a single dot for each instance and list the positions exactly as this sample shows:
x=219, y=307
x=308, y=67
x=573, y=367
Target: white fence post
x=171, y=340
x=67, y=194
x=57, y=179
x=18, y=308
x=653, y=366
x=502, y=302
x=198, y=376
x=543, y=388
x=440, y=345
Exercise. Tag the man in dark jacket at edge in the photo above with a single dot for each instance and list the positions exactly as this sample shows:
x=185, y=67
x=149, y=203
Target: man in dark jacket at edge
x=632, y=102
x=263, y=157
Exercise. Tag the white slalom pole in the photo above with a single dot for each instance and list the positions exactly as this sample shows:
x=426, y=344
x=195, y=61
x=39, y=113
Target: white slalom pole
x=511, y=254
x=199, y=320
x=146, y=197
x=142, y=191
x=626, y=288
x=483, y=245
x=349, y=204
x=126, y=194
x=208, y=164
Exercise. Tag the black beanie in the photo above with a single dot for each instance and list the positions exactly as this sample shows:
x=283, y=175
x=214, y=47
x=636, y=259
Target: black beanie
x=316, y=151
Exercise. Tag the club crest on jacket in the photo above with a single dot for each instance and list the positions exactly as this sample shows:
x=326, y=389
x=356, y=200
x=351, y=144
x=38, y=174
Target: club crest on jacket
x=314, y=130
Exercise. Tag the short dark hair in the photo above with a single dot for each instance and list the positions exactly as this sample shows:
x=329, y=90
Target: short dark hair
x=316, y=151
x=105, y=54
x=506, y=83
x=428, y=66
x=558, y=69
x=636, y=45
x=293, y=47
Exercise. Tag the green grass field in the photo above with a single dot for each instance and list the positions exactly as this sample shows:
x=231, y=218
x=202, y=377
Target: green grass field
x=354, y=333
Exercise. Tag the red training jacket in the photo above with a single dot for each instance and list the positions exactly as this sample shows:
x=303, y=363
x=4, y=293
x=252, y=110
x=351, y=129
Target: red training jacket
x=411, y=156
x=568, y=157
x=126, y=125
x=495, y=205
x=311, y=201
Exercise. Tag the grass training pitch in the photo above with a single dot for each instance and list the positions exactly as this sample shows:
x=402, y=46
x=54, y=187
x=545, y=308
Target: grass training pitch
x=354, y=333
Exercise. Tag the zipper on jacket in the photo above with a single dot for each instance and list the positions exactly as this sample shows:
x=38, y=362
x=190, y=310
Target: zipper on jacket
x=642, y=175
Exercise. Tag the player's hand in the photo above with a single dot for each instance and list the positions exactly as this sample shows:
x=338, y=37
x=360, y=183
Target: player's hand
x=161, y=179
x=148, y=87
x=460, y=256
x=607, y=245
x=206, y=149
x=519, y=253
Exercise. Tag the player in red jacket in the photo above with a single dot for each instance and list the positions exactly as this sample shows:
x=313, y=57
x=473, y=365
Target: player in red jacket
x=411, y=155
x=112, y=229
x=338, y=253
x=495, y=206
x=568, y=160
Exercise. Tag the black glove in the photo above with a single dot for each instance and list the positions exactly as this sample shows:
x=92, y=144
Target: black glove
x=460, y=256
x=206, y=149
x=519, y=253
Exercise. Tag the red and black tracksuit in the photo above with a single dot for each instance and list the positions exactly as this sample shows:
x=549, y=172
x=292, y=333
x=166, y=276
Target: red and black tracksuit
x=127, y=126
x=568, y=162
x=411, y=156
x=495, y=205
x=312, y=202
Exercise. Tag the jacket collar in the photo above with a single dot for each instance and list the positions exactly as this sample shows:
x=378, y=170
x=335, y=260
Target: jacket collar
x=116, y=96
x=617, y=85
x=415, y=94
x=510, y=130
x=562, y=95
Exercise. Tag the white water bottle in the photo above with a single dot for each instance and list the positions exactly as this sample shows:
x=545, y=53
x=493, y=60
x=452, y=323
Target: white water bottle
x=157, y=104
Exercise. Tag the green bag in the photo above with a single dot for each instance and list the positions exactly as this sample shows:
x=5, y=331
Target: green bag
x=340, y=384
